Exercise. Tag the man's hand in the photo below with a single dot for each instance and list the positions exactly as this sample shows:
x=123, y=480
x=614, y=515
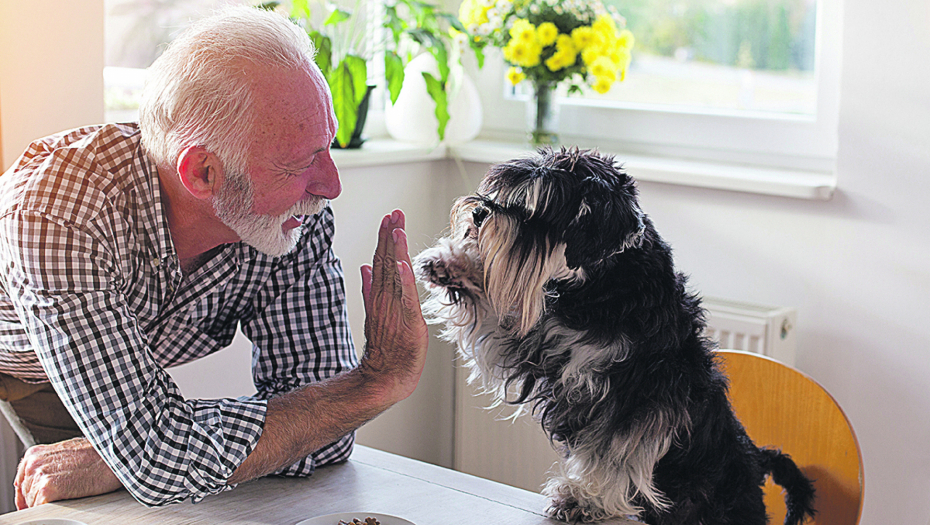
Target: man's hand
x=303, y=420
x=66, y=470
x=395, y=332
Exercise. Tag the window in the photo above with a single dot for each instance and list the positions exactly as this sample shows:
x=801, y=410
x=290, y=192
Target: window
x=736, y=81
x=135, y=31
x=723, y=55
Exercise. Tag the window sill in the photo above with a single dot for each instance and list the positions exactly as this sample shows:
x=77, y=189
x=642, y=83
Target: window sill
x=796, y=184
x=383, y=151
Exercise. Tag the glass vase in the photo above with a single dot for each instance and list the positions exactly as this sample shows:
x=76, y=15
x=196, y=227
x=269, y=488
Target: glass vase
x=542, y=115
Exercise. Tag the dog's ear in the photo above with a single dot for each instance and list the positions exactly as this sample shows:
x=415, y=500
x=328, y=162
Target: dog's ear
x=608, y=220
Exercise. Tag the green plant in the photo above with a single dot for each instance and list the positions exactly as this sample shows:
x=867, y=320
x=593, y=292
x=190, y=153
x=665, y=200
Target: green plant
x=345, y=45
x=428, y=27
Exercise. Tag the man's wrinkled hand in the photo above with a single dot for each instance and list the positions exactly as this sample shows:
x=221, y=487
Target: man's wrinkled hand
x=66, y=470
x=395, y=332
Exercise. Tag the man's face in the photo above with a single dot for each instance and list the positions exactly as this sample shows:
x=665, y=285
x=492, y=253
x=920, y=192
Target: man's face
x=291, y=173
x=274, y=235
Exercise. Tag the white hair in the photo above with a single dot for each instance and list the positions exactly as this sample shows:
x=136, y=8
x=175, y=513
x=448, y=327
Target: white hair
x=199, y=91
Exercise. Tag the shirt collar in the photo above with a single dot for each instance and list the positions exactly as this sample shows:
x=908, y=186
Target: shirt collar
x=154, y=207
x=157, y=217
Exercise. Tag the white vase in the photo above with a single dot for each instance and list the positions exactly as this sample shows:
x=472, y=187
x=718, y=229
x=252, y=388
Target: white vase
x=412, y=118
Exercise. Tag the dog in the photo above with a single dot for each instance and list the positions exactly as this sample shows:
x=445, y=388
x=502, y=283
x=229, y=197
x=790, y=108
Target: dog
x=563, y=299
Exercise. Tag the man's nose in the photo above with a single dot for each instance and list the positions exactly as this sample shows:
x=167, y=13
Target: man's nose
x=326, y=183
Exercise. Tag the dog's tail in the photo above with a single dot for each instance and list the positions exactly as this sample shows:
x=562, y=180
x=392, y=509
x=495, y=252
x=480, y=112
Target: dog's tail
x=799, y=491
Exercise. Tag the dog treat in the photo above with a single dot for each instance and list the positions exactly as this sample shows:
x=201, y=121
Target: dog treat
x=355, y=521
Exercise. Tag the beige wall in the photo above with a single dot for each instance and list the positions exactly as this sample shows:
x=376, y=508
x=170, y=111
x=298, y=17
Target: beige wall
x=51, y=69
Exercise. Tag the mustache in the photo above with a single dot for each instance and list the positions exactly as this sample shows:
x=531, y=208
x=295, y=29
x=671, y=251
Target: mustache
x=311, y=206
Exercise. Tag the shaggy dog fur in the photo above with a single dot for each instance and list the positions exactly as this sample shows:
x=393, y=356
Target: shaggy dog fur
x=562, y=298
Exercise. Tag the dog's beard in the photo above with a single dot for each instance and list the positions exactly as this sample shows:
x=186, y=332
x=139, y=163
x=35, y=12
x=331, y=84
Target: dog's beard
x=517, y=270
x=493, y=267
x=232, y=203
x=488, y=285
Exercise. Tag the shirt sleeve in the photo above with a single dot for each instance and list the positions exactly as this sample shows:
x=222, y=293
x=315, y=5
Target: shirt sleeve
x=300, y=331
x=65, y=284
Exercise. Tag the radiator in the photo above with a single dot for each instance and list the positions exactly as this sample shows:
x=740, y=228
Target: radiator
x=766, y=330
x=516, y=452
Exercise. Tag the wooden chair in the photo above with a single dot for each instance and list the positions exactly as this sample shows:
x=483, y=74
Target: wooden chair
x=783, y=408
x=13, y=420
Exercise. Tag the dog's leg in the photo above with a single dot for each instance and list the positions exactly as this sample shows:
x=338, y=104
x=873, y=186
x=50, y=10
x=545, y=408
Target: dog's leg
x=589, y=488
x=569, y=499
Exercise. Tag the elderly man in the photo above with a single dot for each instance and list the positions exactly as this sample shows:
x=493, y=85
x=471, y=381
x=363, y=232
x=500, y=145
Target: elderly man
x=127, y=249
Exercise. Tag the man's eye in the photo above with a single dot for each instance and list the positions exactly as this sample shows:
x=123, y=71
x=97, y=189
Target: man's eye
x=479, y=215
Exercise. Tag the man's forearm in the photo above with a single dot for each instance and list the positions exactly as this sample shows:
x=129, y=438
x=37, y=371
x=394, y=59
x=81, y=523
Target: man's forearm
x=311, y=417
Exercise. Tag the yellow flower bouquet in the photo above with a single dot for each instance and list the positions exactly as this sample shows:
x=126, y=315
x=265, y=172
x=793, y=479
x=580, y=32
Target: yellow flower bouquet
x=549, y=42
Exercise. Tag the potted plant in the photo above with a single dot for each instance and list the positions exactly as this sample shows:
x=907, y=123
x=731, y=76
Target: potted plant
x=346, y=43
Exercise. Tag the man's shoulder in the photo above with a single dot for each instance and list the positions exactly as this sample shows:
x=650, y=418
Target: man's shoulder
x=72, y=173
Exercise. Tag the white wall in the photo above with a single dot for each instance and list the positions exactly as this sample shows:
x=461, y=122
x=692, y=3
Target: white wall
x=855, y=266
x=51, y=70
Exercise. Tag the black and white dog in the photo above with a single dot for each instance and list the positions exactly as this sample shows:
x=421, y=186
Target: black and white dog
x=562, y=298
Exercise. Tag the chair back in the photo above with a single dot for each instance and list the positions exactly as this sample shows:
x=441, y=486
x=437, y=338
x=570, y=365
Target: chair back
x=18, y=427
x=783, y=408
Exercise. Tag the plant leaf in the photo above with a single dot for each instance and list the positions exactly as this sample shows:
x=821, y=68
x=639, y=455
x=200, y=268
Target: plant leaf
x=338, y=15
x=348, y=83
x=423, y=37
x=324, y=51
x=442, y=59
x=479, y=55
x=437, y=91
x=453, y=21
x=267, y=6
x=300, y=9
x=359, y=75
x=393, y=74
x=393, y=22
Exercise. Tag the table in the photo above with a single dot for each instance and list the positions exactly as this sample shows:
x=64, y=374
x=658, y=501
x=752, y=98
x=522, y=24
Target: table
x=371, y=481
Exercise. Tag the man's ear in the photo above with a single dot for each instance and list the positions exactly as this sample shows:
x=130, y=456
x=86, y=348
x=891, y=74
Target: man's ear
x=199, y=171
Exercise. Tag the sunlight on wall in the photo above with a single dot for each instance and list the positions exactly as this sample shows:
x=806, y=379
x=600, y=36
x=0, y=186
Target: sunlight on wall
x=51, y=59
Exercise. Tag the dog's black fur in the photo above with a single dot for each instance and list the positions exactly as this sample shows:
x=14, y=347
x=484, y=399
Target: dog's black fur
x=612, y=360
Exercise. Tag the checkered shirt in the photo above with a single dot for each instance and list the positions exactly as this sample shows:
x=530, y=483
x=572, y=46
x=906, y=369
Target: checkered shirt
x=92, y=298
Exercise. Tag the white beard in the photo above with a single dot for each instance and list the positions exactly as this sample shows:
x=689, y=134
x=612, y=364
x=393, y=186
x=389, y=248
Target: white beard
x=233, y=206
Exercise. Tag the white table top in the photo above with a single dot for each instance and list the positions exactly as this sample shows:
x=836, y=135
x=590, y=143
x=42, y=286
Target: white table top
x=371, y=481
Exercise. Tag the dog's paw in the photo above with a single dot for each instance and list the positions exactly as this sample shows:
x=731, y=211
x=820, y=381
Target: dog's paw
x=568, y=509
x=435, y=271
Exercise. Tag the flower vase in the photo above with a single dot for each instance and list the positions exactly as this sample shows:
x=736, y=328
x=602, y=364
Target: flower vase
x=542, y=115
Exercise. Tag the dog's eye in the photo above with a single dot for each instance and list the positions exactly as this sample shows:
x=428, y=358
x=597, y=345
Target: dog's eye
x=479, y=215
